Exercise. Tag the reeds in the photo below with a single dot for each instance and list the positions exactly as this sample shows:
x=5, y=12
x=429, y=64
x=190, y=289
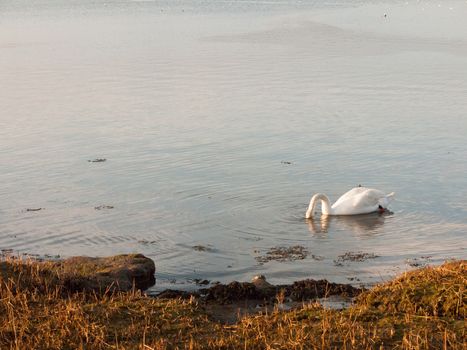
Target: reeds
x=424, y=309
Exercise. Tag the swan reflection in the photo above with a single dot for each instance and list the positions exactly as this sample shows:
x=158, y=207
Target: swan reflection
x=361, y=225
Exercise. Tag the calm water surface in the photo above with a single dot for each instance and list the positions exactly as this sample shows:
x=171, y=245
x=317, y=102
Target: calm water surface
x=220, y=119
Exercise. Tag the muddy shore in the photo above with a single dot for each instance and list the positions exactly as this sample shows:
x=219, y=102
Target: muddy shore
x=228, y=303
x=421, y=309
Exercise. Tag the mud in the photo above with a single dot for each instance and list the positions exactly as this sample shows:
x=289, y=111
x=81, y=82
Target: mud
x=176, y=294
x=312, y=289
x=227, y=303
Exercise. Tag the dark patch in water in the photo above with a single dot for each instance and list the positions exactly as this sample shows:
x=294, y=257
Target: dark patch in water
x=202, y=248
x=353, y=257
x=101, y=207
x=419, y=262
x=6, y=252
x=201, y=282
x=145, y=242
x=283, y=254
x=34, y=209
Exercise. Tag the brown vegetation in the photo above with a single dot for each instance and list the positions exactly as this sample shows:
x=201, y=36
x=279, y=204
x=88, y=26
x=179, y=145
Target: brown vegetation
x=423, y=309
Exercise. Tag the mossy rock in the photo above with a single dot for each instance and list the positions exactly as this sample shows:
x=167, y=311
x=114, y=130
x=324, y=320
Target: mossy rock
x=119, y=272
x=80, y=273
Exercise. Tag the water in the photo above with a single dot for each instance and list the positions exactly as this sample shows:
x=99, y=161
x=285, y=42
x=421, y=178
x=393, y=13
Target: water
x=220, y=119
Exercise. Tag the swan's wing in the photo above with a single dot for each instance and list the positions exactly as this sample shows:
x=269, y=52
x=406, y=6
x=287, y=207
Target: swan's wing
x=350, y=195
x=359, y=200
x=368, y=198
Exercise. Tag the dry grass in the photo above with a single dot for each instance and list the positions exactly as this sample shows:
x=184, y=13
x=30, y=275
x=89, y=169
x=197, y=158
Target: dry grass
x=431, y=291
x=424, y=309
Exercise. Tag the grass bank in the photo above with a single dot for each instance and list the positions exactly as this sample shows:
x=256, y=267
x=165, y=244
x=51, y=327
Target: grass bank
x=422, y=309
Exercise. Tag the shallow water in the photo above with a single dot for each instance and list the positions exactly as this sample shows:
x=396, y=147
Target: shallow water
x=219, y=120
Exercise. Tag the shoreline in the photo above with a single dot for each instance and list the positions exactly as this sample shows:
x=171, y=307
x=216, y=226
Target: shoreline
x=196, y=283
x=40, y=308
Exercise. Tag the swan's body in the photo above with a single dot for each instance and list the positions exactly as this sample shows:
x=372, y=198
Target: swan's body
x=359, y=200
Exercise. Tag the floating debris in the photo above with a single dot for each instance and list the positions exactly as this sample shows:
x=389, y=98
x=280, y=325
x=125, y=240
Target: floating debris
x=6, y=251
x=354, y=257
x=353, y=279
x=419, y=262
x=51, y=257
x=202, y=248
x=34, y=209
x=97, y=160
x=317, y=257
x=146, y=242
x=201, y=282
x=286, y=162
x=101, y=207
x=254, y=239
x=283, y=254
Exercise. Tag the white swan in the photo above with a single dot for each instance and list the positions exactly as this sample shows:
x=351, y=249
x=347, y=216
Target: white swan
x=359, y=200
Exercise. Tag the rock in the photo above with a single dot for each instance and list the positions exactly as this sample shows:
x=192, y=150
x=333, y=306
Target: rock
x=115, y=273
x=259, y=281
x=201, y=282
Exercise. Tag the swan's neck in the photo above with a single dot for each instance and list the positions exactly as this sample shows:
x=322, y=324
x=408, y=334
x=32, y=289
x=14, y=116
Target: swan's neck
x=325, y=205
